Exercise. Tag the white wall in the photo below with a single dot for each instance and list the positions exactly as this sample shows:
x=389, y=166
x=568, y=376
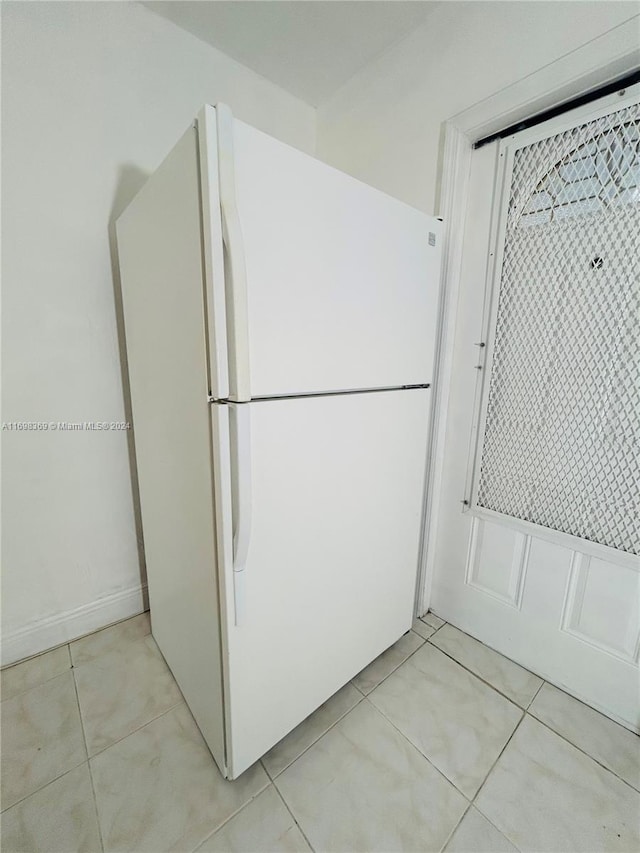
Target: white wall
x=384, y=126
x=94, y=96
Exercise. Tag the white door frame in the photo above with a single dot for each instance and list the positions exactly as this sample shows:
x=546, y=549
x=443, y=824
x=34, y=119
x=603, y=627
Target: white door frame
x=594, y=64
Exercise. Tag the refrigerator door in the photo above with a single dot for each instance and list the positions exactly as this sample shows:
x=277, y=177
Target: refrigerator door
x=319, y=503
x=329, y=284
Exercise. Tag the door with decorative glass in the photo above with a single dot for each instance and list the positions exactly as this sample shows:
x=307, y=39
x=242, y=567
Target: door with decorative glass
x=539, y=532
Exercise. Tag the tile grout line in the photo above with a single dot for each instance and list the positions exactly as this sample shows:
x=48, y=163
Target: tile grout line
x=484, y=680
x=495, y=651
x=536, y=693
x=473, y=801
x=93, y=661
x=306, y=749
x=233, y=814
x=422, y=644
x=138, y=728
x=524, y=713
x=580, y=749
x=433, y=630
x=39, y=683
x=497, y=829
x=42, y=787
x=499, y=756
x=426, y=625
x=470, y=802
x=422, y=619
x=570, y=742
x=37, y=655
x=527, y=711
x=60, y=775
x=264, y=767
x=366, y=699
x=500, y=693
x=131, y=641
x=535, y=674
x=419, y=751
x=477, y=793
x=295, y=820
x=86, y=749
x=453, y=831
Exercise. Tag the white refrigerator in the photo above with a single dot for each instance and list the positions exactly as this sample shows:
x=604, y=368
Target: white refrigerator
x=280, y=321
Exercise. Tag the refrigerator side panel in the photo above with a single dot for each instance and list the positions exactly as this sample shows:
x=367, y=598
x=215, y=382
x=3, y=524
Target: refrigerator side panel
x=160, y=251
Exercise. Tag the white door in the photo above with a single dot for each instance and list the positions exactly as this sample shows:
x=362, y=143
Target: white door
x=538, y=528
x=329, y=511
x=340, y=280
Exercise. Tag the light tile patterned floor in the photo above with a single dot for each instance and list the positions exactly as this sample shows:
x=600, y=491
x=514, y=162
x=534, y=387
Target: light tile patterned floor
x=440, y=744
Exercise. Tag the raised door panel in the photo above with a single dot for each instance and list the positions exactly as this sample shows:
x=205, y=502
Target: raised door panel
x=602, y=606
x=498, y=559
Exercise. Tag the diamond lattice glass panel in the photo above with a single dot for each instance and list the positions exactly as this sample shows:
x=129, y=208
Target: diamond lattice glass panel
x=561, y=446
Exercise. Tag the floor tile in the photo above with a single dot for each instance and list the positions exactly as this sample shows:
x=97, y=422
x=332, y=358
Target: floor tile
x=422, y=629
x=363, y=786
x=384, y=665
x=159, y=789
x=609, y=743
x=476, y=835
x=57, y=819
x=114, y=638
x=452, y=717
x=308, y=732
x=516, y=683
x=23, y=676
x=433, y=620
x=41, y=737
x=263, y=826
x=544, y=794
x=122, y=690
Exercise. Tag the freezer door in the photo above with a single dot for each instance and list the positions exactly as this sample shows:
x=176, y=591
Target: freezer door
x=330, y=284
x=321, y=569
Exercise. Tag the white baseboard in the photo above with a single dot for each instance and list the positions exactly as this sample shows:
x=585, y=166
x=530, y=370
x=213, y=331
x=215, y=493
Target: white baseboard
x=63, y=627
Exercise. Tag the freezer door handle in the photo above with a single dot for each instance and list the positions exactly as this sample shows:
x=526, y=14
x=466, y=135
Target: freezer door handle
x=240, y=422
x=235, y=270
x=213, y=252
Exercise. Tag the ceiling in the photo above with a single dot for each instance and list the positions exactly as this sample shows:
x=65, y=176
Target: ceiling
x=308, y=47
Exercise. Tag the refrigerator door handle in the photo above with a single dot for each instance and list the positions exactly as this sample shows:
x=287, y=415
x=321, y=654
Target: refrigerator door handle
x=213, y=252
x=235, y=270
x=240, y=423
